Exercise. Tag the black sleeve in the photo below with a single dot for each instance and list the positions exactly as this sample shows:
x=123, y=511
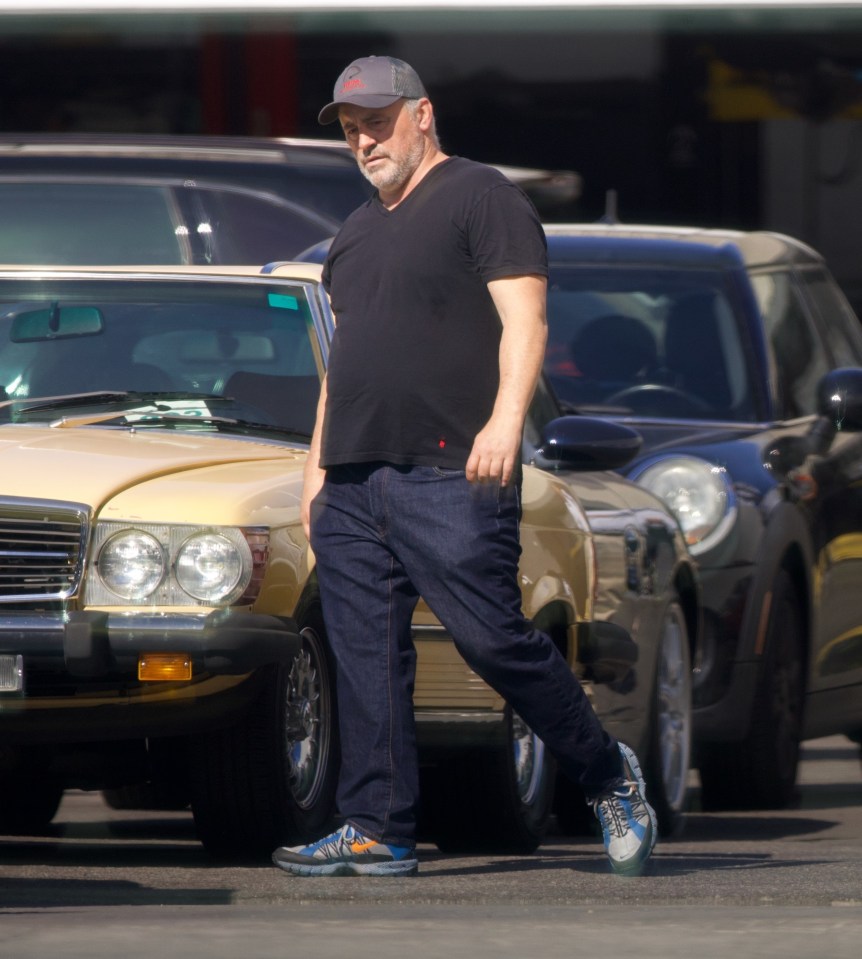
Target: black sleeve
x=505, y=234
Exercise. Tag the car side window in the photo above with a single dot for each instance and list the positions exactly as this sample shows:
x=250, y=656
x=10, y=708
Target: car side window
x=106, y=223
x=838, y=323
x=249, y=229
x=798, y=355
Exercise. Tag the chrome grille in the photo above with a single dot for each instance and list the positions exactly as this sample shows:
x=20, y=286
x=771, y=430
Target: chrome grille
x=41, y=550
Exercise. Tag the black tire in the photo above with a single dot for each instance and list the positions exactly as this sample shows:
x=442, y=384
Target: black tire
x=491, y=799
x=164, y=797
x=270, y=779
x=760, y=772
x=668, y=759
x=28, y=804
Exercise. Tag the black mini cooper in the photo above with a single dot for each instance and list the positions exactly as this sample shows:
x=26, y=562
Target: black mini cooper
x=737, y=358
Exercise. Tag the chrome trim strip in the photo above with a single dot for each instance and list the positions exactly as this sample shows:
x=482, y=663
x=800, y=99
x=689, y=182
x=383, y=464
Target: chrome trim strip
x=158, y=622
x=444, y=717
x=33, y=623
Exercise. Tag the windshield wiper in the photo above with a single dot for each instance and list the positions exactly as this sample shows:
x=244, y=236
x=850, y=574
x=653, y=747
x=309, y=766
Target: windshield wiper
x=152, y=409
x=154, y=418
x=157, y=416
x=222, y=423
x=64, y=402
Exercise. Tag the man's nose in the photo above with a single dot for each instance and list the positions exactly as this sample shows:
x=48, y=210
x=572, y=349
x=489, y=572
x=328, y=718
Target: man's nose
x=365, y=141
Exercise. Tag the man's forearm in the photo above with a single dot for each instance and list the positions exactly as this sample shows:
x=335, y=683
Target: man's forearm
x=520, y=303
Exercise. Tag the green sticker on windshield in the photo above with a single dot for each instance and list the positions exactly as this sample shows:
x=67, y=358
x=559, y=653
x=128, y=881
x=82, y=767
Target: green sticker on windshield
x=282, y=301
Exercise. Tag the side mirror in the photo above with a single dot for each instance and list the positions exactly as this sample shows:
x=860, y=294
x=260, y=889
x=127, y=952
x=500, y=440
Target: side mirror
x=839, y=398
x=585, y=443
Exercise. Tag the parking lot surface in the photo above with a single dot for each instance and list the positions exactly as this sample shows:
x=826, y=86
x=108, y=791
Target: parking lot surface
x=108, y=883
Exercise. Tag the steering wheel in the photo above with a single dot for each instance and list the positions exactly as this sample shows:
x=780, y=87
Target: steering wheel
x=659, y=399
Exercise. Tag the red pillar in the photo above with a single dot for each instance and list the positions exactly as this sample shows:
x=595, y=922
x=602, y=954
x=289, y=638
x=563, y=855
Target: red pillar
x=212, y=89
x=271, y=85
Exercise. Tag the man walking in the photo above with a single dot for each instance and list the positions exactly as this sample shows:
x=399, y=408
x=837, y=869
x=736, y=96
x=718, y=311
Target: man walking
x=412, y=484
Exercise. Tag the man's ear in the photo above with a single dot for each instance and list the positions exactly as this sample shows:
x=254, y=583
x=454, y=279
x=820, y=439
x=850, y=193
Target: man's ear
x=425, y=115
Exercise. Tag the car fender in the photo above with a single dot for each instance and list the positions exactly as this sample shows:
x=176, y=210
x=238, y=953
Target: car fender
x=786, y=544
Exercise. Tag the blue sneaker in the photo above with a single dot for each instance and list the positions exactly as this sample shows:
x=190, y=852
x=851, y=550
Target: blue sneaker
x=347, y=852
x=629, y=825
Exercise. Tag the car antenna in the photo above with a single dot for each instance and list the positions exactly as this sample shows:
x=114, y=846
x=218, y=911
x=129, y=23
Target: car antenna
x=610, y=215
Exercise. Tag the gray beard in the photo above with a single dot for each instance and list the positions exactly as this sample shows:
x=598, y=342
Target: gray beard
x=399, y=173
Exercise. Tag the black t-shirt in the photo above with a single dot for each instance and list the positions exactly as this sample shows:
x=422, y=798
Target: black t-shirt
x=414, y=365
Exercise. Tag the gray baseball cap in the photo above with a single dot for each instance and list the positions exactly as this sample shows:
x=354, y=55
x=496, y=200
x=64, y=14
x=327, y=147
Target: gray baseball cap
x=373, y=82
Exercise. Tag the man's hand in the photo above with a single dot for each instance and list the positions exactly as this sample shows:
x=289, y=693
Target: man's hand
x=496, y=450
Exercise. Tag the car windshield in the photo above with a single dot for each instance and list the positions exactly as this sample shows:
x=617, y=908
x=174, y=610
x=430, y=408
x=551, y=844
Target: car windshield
x=644, y=342
x=178, y=353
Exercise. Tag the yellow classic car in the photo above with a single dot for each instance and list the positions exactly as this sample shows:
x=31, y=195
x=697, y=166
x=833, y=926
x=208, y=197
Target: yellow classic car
x=161, y=637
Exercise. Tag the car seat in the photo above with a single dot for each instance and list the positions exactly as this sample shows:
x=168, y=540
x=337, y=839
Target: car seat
x=612, y=353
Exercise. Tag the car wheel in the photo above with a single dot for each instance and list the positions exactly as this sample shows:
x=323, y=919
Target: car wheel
x=270, y=779
x=28, y=804
x=760, y=771
x=669, y=755
x=311, y=734
x=497, y=798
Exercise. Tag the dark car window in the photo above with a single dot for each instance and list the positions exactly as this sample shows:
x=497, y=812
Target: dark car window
x=322, y=179
x=67, y=223
x=647, y=341
x=838, y=324
x=335, y=189
x=799, y=358
x=251, y=229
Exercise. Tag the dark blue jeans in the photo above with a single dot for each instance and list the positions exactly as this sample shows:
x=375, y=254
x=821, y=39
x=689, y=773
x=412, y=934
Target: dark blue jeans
x=382, y=536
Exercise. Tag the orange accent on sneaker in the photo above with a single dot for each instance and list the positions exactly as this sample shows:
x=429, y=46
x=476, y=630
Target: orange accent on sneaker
x=358, y=847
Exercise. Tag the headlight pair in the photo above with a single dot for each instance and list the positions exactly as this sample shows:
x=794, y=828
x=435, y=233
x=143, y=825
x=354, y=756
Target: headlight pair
x=699, y=495
x=165, y=565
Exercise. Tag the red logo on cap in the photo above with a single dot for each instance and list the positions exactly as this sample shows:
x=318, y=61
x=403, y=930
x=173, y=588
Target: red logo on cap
x=354, y=84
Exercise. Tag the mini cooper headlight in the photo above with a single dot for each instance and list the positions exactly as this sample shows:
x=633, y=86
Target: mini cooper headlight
x=132, y=564
x=208, y=567
x=699, y=495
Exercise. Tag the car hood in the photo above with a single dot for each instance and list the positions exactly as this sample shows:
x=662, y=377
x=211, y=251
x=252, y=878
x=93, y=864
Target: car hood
x=90, y=465
x=665, y=437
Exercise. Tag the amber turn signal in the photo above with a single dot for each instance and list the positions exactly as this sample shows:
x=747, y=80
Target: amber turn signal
x=164, y=667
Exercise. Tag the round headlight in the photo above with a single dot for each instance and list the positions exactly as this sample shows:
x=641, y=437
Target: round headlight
x=697, y=493
x=132, y=564
x=209, y=567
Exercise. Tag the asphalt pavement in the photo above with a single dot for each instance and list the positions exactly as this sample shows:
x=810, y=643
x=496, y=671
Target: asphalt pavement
x=107, y=883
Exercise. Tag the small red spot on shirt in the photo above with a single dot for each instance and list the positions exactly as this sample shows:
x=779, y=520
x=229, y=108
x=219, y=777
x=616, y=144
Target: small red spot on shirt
x=442, y=442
